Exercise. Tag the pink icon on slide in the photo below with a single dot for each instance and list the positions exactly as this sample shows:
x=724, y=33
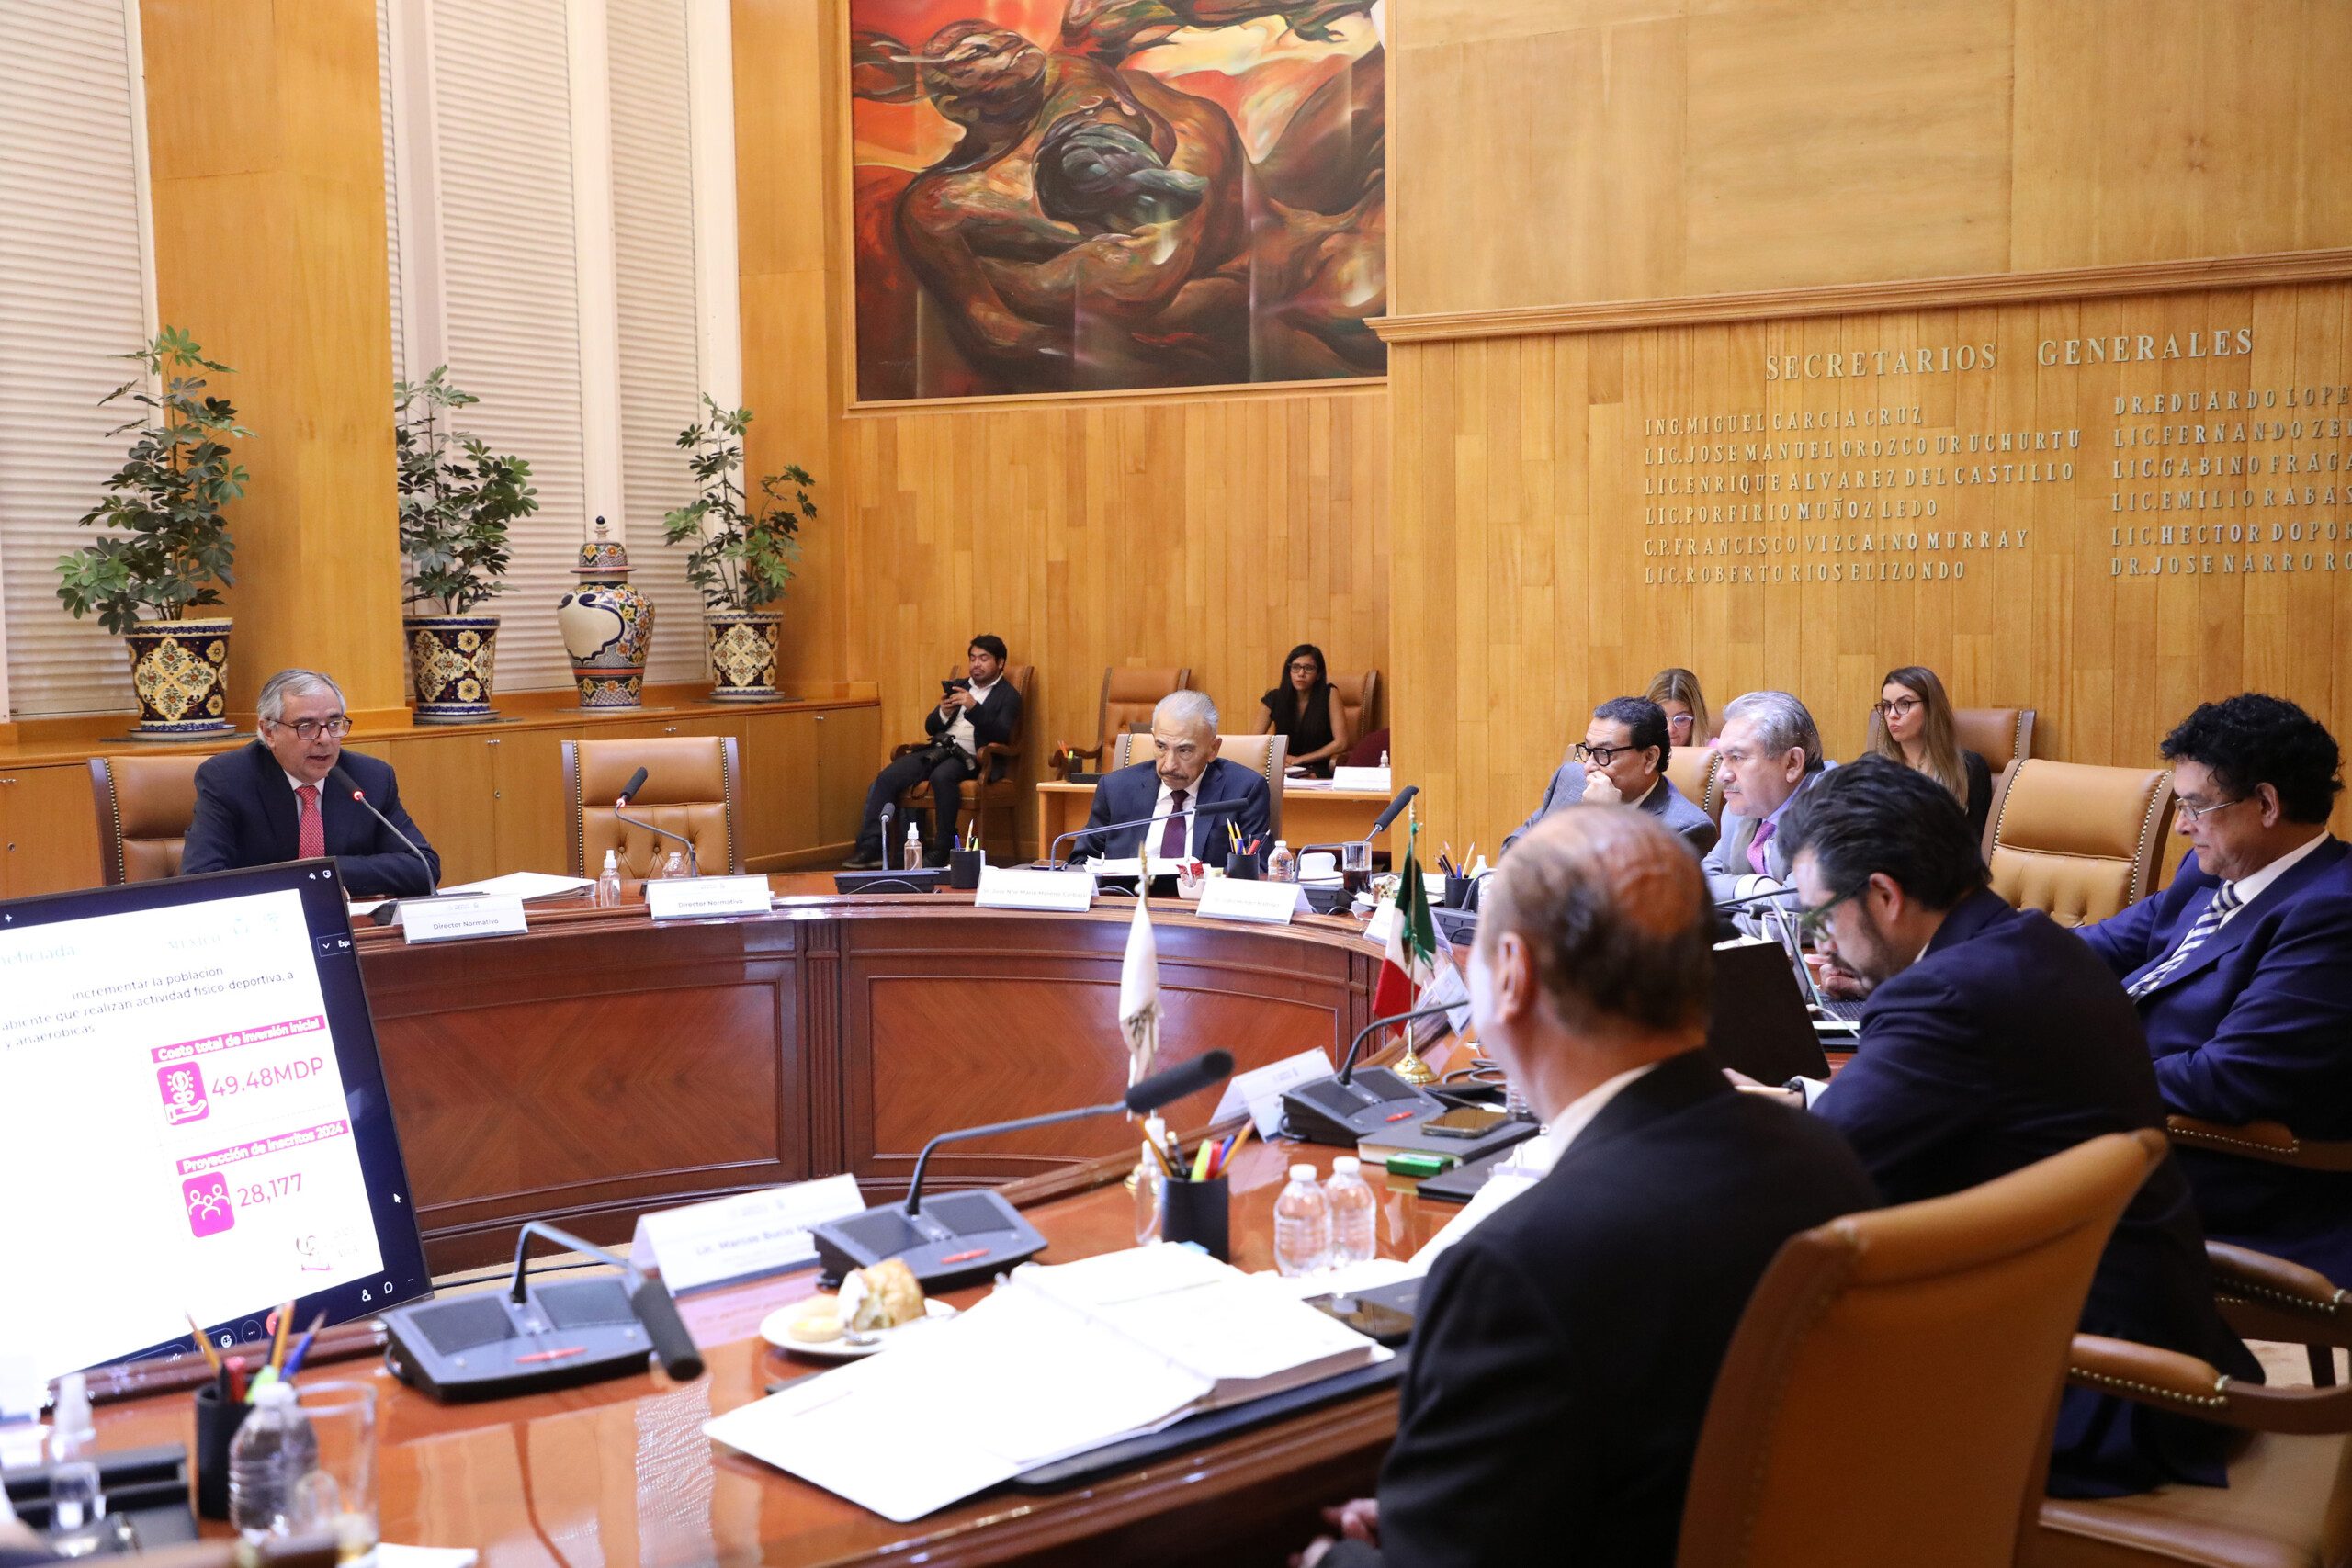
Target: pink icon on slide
x=208, y=1213
x=182, y=1087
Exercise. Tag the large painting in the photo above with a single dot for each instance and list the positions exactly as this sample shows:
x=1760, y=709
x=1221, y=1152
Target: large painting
x=1057, y=195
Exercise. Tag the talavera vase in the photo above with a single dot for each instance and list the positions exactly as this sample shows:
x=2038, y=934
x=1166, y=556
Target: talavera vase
x=451, y=659
x=179, y=670
x=608, y=627
x=743, y=654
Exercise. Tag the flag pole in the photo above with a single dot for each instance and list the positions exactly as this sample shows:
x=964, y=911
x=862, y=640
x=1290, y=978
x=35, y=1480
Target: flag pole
x=1409, y=1067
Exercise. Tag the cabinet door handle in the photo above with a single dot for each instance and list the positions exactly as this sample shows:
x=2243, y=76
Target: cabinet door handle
x=672, y=729
x=493, y=741
x=820, y=718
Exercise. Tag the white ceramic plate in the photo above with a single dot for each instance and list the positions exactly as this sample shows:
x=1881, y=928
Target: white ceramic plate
x=775, y=1329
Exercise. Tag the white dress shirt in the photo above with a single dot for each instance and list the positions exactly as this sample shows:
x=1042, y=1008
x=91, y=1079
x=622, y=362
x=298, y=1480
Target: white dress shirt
x=959, y=728
x=2249, y=889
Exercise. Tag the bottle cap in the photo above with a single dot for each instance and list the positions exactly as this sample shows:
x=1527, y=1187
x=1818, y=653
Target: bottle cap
x=1347, y=1164
x=72, y=1417
x=1302, y=1172
x=1157, y=1129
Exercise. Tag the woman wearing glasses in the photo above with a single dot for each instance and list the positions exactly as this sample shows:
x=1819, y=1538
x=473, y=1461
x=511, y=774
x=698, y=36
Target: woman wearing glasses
x=1911, y=724
x=1305, y=707
x=1687, y=721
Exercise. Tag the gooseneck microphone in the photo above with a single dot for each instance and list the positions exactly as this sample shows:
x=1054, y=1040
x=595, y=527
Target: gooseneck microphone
x=1388, y=813
x=971, y=1235
x=1348, y=1063
x=627, y=793
x=888, y=812
x=342, y=780
x=1200, y=808
x=648, y=1298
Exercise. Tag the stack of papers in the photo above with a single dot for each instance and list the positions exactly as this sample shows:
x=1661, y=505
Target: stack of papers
x=528, y=885
x=1055, y=1362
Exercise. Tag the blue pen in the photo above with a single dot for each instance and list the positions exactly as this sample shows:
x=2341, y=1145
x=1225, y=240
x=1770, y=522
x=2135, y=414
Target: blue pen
x=294, y=1361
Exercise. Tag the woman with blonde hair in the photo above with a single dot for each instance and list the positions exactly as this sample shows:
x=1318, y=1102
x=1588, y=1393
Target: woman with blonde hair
x=1677, y=690
x=1911, y=723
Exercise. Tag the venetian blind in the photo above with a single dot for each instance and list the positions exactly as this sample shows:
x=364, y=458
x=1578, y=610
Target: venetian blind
x=392, y=184
x=72, y=292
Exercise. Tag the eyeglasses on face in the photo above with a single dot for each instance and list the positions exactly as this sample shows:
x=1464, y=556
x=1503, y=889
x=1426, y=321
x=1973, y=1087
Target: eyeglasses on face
x=1681, y=720
x=1811, y=922
x=2193, y=812
x=1601, y=756
x=311, y=729
x=1900, y=707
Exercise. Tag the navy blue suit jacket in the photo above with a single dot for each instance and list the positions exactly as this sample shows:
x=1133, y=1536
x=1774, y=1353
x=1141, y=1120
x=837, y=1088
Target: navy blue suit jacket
x=2256, y=1027
x=1128, y=793
x=1567, y=1347
x=245, y=816
x=2007, y=1043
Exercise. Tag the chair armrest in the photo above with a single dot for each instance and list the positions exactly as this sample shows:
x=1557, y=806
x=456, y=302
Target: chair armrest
x=2263, y=1297
x=2271, y=1141
x=1066, y=758
x=2167, y=1380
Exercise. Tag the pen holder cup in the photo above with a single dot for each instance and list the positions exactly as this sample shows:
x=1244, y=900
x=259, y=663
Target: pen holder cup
x=964, y=868
x=1200, y=1212
x=1457, y=892
x=217, y=1420
x=1241, y=867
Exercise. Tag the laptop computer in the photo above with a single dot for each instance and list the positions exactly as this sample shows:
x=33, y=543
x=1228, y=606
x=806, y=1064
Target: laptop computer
x=1757, y=1021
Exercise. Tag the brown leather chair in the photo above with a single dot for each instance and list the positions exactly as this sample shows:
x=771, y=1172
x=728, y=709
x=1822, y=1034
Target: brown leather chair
x=145, y=804
x=1359, y=702
x=2263, y=1297
x=999, y=786
x=691, y=784
x=2288, y=1503
x=2077, y=841
x=1265, y=754
x=2000, y=735
x=1128, y=697
x=1922, y=1346
x=1698, y=772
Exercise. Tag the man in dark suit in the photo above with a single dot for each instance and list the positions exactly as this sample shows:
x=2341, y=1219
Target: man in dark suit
x=980, y=711
x=1993, y=1039
x=1185, y=774
x=1772, y=754
x=2242, y=970
x=1622, y=759
x=270, y=801
x=1567, y=1345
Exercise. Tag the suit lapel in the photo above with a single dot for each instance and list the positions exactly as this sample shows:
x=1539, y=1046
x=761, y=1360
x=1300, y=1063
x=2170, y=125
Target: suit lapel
x=278, y=806
x=1205, y=829
x=2233, y=935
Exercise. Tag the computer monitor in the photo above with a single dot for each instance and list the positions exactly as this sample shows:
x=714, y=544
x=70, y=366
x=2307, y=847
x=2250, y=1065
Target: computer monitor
x=192, y=1119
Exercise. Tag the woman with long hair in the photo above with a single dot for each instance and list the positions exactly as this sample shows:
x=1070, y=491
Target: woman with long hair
x=1911, y=723
x=1305, y=707
x=1677, y=690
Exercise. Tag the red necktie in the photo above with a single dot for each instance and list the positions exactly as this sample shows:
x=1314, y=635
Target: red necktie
x=311, y=838
x=1171, y=837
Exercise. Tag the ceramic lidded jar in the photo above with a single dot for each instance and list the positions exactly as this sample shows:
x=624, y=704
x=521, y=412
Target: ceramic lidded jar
x=608, y=627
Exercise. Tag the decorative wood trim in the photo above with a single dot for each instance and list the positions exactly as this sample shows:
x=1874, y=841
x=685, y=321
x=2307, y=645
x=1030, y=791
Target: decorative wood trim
x=2265, y=271
x=1221, y=392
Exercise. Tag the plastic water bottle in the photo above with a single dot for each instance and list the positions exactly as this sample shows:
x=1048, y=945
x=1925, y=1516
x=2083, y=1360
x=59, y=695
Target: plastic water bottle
x=1151, y=1184
x=271, y=1453
x=1302, y=1224
x=1352, y=1206
x=677, y=866
x=608, y=882
x=1384, y=762
x=74, y=1499
x=915, y=848
x=1282, y=866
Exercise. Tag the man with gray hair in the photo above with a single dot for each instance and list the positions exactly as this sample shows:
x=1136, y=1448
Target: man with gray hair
x=1185, y=774
x=270, y=801
x=1771, y=753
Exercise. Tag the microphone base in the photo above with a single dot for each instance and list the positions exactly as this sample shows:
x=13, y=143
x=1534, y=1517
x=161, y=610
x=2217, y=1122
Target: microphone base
x=462, y=1348
x=1367, y=1107
x=924, y=879
x=955, y=1239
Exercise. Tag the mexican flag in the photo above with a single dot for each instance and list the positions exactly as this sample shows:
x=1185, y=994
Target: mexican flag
x=1410, y=960
x=1140, y=994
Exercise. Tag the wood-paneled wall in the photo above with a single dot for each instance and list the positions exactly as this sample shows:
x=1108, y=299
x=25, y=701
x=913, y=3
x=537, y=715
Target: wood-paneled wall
x=1544, y=154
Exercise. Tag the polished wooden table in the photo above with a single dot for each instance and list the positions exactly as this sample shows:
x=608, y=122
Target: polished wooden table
x=1311, y=815
x=602, y=1065
x=619, y=1474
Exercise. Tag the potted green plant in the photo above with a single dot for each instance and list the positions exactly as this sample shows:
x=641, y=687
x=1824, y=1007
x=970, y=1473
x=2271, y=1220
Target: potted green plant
x=457, y=498
x=745, y=552
x=174, y=547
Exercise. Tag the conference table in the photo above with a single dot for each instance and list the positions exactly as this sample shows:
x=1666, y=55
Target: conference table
x=1312, y=814
x=619, y=1474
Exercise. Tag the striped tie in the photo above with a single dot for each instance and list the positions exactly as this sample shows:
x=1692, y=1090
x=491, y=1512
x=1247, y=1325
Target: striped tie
x=2225, y=901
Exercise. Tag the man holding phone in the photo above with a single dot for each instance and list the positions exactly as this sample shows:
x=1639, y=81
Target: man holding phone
x=981, y=710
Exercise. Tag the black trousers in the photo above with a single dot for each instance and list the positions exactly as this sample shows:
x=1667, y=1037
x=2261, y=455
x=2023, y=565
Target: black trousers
x=945, y=775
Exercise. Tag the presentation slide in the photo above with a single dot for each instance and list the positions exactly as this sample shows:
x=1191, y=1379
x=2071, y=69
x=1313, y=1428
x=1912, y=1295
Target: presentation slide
x=173, y=1135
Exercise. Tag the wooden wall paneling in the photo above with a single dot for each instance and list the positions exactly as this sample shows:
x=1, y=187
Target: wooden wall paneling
x=448, y=784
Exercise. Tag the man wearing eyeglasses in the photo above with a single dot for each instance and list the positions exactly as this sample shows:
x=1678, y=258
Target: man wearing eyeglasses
x=270, y=801
x=1622, y=759
x=1992, y=1040
x=2241, y=969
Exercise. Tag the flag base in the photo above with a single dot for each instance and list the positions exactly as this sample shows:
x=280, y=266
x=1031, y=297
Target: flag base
x=1412, y=1069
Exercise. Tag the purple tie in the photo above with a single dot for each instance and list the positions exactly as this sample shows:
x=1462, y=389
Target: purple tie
x=1756, y=860
x=1171, y=837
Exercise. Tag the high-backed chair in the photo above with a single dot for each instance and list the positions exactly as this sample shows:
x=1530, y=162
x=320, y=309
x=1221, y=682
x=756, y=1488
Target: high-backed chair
x=1128, y=697
x=690, y=785
x=1359, y=700
x=998, y=788
x=2000, y=735
x=2263, y=1297
x=1925, y=1347
x=145, y=804
x=2077, y=841
x=1698, y=772
x=1266, y=755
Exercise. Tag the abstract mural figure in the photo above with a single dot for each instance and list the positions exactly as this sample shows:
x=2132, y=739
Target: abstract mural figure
x=1092, y=225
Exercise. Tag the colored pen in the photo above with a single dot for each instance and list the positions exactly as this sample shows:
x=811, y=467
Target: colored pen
x=1238, y=1139
x=552, y=1355
x=1201, y=1160
x=282, y=1326
x=211, y=1357
x=302, y=1347
x=261, y=1380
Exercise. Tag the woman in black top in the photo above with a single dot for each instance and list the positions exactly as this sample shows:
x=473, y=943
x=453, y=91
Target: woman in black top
x=1912, y=724
x=1305, y=707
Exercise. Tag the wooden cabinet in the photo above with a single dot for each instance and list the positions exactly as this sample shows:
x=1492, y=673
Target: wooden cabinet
x=445, y=783
x=49, y=823
x=849, y=753
x=780, y=764
x=529, y=813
